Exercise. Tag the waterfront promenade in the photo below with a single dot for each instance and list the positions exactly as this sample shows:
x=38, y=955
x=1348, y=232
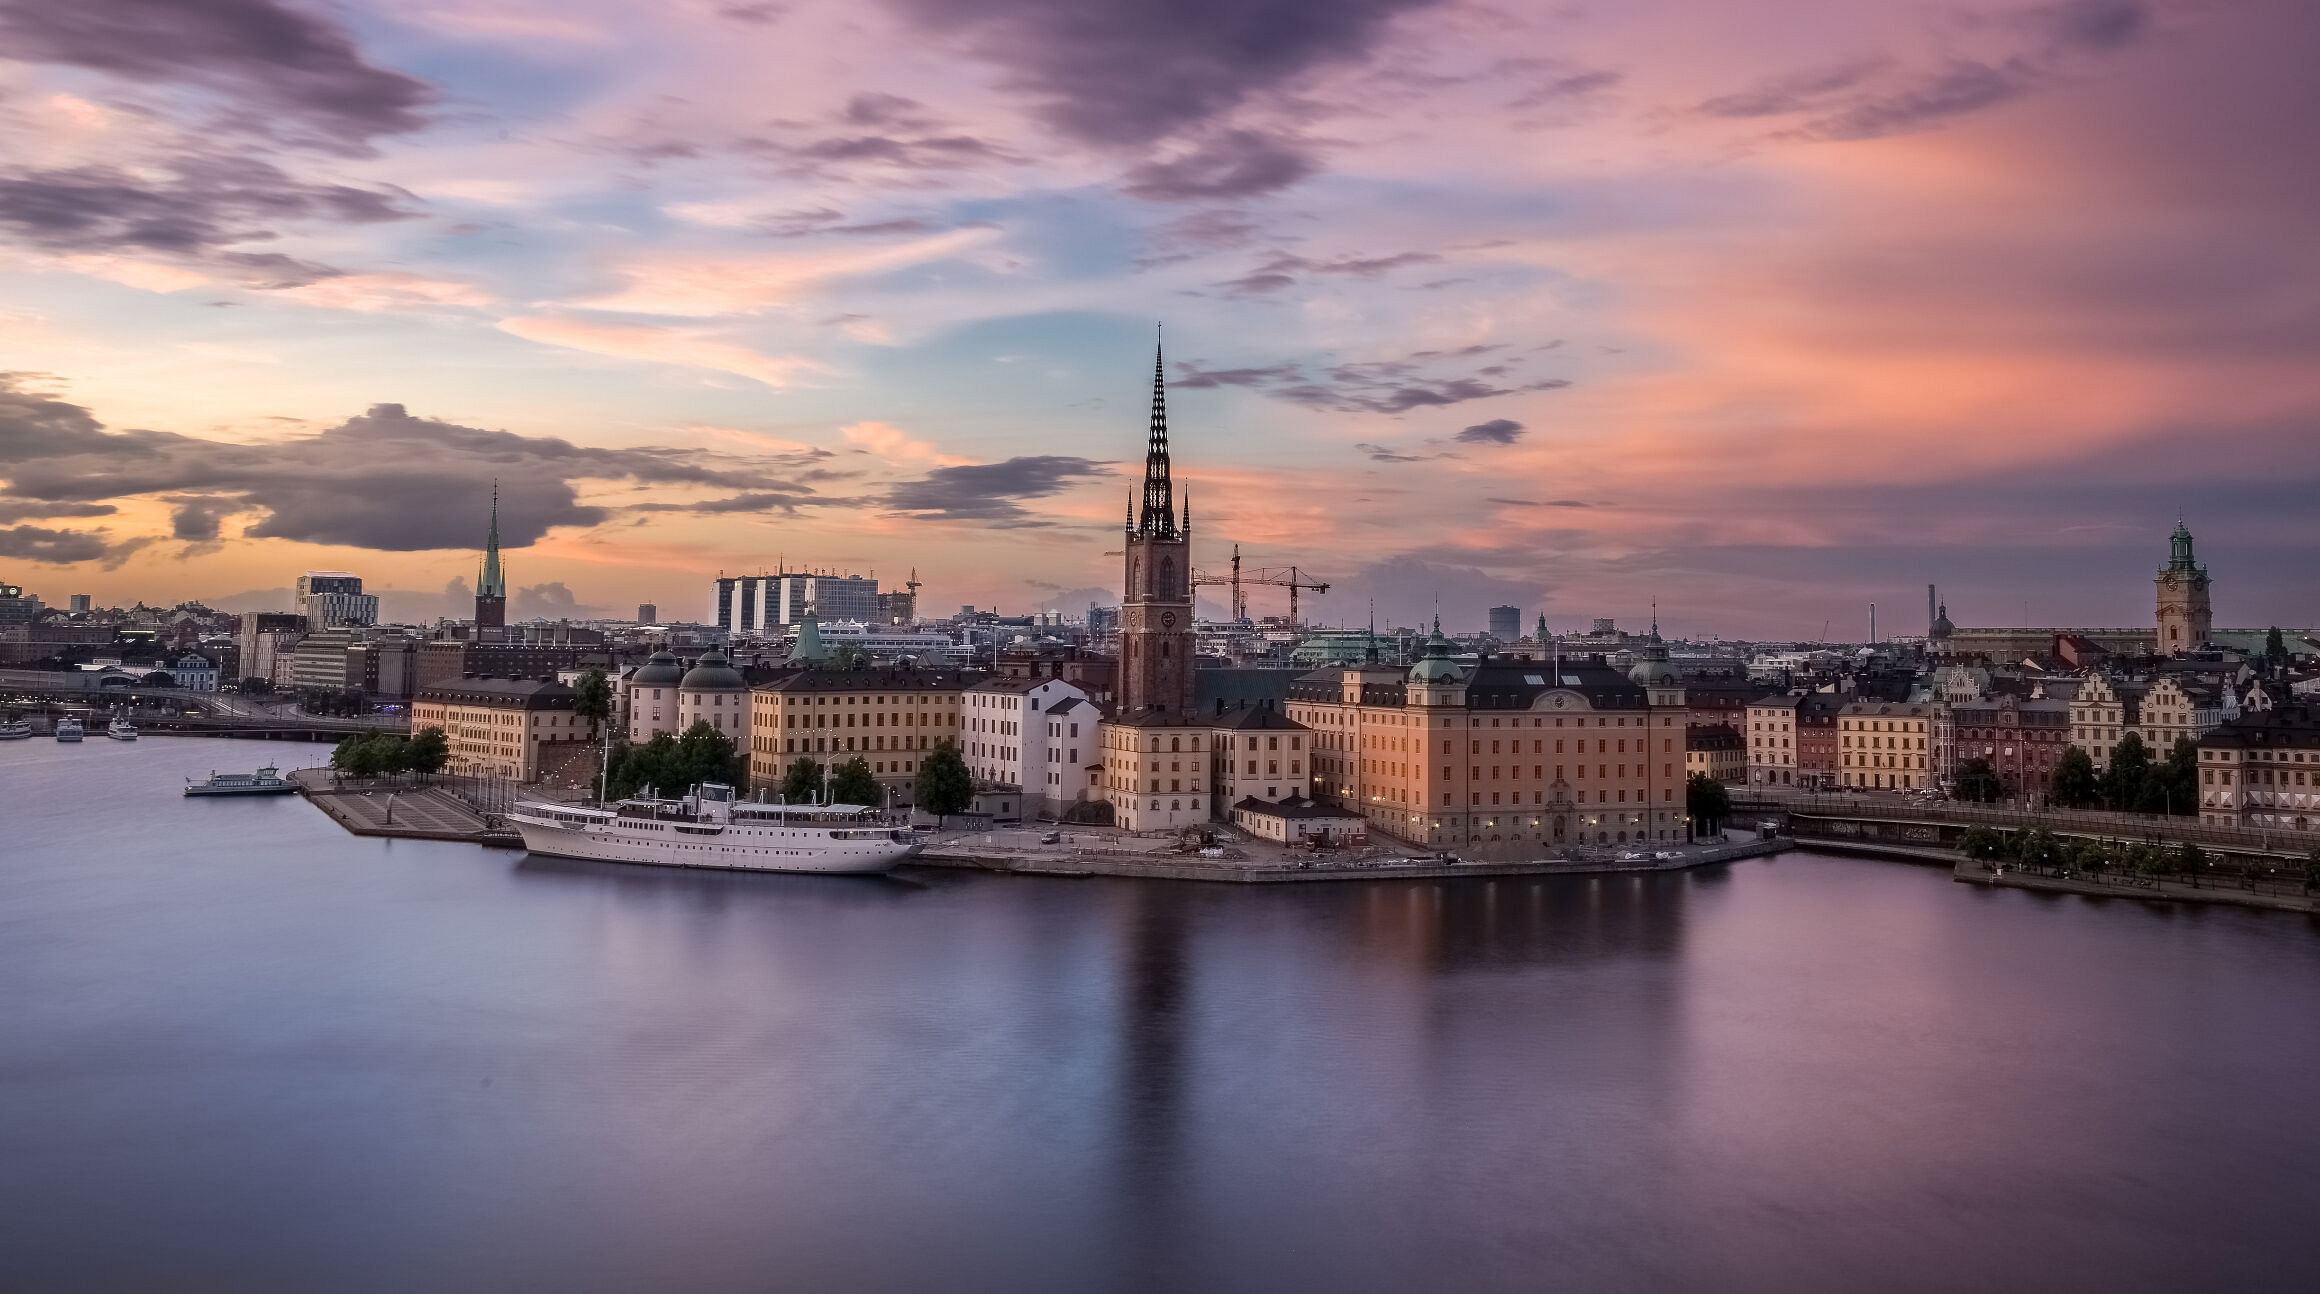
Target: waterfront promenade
x=1095, y=854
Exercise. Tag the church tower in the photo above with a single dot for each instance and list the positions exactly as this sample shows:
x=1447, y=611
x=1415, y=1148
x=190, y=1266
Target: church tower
x=2185, y=620
x=490, y=584
x=1156, y=643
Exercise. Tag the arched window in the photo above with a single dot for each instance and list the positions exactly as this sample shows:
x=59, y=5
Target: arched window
x=1175, y=744
x=1167, y=587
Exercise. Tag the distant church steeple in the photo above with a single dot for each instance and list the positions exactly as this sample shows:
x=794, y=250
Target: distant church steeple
x=1159, y=517
x=491, y=582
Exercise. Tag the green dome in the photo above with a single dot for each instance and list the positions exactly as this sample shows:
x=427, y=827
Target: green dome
x=1434, y=663
x=713, y=673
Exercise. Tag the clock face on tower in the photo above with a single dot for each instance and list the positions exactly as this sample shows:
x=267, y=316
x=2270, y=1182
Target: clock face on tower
x=1167, y=620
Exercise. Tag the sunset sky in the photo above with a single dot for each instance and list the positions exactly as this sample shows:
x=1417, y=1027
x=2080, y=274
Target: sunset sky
x=1764, y=309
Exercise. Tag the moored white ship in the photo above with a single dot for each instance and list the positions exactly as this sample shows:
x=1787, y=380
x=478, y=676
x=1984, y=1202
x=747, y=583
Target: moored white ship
x=69, y=730
x=710, y=828
x=121, y=729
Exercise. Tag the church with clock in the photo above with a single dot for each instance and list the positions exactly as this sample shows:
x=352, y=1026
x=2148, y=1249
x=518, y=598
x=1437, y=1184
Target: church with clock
x=1156, y=751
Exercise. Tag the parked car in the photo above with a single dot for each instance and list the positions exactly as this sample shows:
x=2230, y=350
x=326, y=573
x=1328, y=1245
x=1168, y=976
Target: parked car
x=1052, y=838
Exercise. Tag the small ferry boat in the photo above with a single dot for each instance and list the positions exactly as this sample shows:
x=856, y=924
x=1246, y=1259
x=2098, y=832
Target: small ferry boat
x=15, y=729
x=266, y=781
x=710, y=828
x=69, y=730
x=120, y=729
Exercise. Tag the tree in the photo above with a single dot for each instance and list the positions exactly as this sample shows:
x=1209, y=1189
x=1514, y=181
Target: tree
x=647, y=768
x=944, y=784
x=2275, y=651
x=2076, y=785
x=851, y=783
x=371, y=754
x=2312, y=871
x=428, y=751
x=849, y=656
x=2130, y=768
x=255, y=686
x=592, y=700
x=1706, y=803
x=1982, y=844
x=707, y=755
x=802, y=783
x=2173, y=787
x=2037, y=848
x=2190, y=860
x=1977, y=782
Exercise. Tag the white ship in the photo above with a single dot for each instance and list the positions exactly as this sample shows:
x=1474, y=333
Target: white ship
x=68, y=730
x=709, y=828
x=15, y=729
x=121, y=730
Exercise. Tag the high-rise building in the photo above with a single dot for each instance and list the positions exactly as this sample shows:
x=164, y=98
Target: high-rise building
x=333, y=600
x=16, y=606
x=2185, y=618
x=79, y=603
x=758, y=604
x=1506, y=623
x=1156, y=605
x=647, y=614
x=264, y=637
x=490, y=581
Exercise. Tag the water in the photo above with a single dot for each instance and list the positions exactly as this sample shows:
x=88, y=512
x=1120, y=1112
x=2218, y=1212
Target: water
x=242, y=1050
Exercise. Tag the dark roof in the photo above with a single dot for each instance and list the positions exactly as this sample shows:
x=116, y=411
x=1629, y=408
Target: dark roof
x=1293, y=807
x=1070, y=703
x=1713, y=736
x=1492, y=683
x=1246, y=717
x=874, y=680
x=509, y=693
x=1239, y=685
x=2295, y=727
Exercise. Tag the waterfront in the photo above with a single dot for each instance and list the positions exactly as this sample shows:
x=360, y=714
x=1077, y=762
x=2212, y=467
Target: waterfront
x=240, y=1048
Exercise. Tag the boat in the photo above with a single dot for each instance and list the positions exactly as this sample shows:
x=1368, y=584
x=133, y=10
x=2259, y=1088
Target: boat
x=266, y=781
x=120, y=729
x=69, y=730
x=13, y=729
x=709, y=827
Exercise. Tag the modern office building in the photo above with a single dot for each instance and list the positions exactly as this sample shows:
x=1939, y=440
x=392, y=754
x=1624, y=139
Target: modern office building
x=334, y=600
x=1506, y=623
x=764, y=603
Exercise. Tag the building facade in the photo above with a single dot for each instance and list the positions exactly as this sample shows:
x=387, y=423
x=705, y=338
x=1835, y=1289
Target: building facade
x=334, y=599
x=1717, y=750
x=1886, y=745
x=2186, y=619
x=1035, y=736
x=2261, y=770
x=890, y=718
x=503, y=727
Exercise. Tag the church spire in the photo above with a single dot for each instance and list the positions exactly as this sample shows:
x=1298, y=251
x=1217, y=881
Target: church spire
x=491, y=583
x=1159, y=517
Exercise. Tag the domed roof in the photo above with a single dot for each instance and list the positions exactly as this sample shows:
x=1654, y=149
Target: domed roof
x=1942, y=628
x=1434, y=664
x=661, y=669
x=712, y=673
x=1651, y=664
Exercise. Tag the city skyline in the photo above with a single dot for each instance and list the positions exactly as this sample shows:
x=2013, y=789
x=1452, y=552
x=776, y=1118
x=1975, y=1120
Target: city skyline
x=1764, y=317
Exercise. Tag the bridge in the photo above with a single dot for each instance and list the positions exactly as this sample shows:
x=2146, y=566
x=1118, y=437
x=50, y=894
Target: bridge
x=199, y=714
x=1892, y=821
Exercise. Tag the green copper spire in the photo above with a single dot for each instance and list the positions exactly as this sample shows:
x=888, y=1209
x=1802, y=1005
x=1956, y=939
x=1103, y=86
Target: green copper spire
x=491, y=584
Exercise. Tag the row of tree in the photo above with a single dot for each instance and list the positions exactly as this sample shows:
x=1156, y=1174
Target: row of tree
x=2042, y=848
x=2134, y=782
x=379, y=754
x=671, y=765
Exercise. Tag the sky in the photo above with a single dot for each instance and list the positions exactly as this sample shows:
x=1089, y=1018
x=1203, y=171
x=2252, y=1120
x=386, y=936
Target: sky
x=1760, y=311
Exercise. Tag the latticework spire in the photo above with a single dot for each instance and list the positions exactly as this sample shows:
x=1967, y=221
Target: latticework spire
x=1159, y=516
x=490, y=583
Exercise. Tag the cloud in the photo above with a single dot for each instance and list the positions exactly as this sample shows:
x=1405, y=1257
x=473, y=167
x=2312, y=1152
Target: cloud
x=1387, y=454
x=1129, y=72
x=1235, y=164
x=1794, y=91
x=1280, y=270
x=39, y=544
x=14, y=510
x=2094, y=26
x=383, y=480
x=1540, y=503
x=777, y=500
x=1190, y=376
x=987, y=492
x=190, y=208
x=1961, y=88
x=660, y=344
x=280, y=70
x=1497, y=431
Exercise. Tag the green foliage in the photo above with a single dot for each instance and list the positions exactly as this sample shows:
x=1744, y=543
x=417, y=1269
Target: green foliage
x=2076, y=785
x=1977, y=782
x=2275, y=650
x=427, y=751
x=849, y=656
x=2037, y=848
x=159, y=678
x=2130, y=771
x=944, y=784
x=373, y=754
x=1982, y=844
x=1707, y=803
x=852, y=783
x=2190, y=859
x=802, y=783
x=254, y=686
x=671, y=766
x=592, y=700
x=2312, y=871
x=2173, y=787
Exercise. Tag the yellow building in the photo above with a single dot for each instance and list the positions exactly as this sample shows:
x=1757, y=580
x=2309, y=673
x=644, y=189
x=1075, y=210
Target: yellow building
x=1718, y=751
x=1503, y=750
x=1156, y=771
x=1885, y=745
x=889, y=717
x=503, y=727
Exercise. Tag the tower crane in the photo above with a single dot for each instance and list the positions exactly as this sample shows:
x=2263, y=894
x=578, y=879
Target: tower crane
x=1288, y=577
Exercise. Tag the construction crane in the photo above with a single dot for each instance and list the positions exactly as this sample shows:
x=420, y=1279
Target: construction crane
x=1288, y=577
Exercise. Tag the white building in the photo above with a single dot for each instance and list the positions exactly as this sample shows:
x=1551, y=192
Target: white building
x=195, y=672
x=1036, y=736
x=648, y=697
x=714, y=693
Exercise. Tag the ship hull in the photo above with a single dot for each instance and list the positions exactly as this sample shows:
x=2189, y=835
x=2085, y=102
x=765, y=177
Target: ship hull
x=198, y=790
x=736, y=852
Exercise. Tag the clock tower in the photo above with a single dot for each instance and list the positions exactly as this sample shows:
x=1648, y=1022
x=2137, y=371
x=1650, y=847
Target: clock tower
x=1156, y=642
x=2185, y=618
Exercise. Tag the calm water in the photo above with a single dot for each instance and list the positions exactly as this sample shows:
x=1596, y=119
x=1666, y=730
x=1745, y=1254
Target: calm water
x=241, y=1050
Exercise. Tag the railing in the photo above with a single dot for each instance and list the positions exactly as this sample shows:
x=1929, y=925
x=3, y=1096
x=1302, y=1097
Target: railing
x=2079, y=822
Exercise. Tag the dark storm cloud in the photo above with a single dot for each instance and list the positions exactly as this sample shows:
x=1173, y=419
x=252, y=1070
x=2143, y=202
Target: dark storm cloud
x=383, y=480
x=1130, y=72
x=1497, y=431
x=1235, y=164
x=38, y=544
x=987, y=492
x=784, y=499
x=284, y=70
x=197, y=208
x=14, y=510
x=1795, y=91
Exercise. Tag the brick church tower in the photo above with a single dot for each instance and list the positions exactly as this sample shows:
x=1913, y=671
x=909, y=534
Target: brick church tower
x=490, y=583
x=2185, y=618
x=1156, y=645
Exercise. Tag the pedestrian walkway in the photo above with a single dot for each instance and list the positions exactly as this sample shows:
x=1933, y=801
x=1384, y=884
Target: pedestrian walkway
x=411, y=812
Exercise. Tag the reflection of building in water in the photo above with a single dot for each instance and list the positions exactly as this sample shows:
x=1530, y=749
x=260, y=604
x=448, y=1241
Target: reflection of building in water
x=1455, y=925
x=1149, y=1093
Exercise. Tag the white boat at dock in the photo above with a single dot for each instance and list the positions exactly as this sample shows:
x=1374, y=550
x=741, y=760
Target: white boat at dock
x=13, y=729
x=69, y=730
x=266, y=781
x=710, y=828
x=120, y=729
